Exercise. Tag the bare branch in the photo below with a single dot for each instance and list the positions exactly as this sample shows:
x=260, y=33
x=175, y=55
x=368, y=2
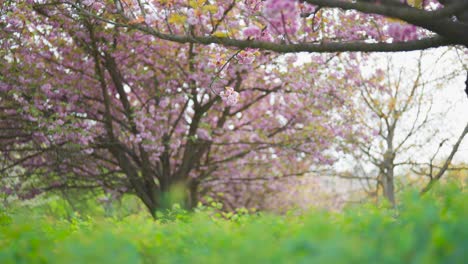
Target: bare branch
x=446, y=163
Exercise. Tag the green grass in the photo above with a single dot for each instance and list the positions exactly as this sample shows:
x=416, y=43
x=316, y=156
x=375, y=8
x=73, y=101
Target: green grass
x=428, y=229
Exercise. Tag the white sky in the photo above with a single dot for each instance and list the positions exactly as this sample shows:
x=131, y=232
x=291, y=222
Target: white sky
x=450, y=95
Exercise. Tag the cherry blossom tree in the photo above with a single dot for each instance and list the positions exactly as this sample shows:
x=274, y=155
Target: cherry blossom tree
x=90, y=105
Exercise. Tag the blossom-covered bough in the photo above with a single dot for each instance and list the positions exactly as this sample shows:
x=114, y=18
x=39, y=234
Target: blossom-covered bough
x=290, y=25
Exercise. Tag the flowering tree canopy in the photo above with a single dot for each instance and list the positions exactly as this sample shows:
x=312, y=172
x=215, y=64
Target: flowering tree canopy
x=87, y=104
x=287, y=25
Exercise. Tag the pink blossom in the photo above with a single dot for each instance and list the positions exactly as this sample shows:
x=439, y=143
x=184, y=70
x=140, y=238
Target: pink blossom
x=46, y=87
x=164, y=103
x=151, y=19
x=203, y=134
x=252, y=32
x=89, y=151
x=282, y=15
x=219, y=14
x=192, y=18
x=400, y=32
x=229, y=96
x=246, y=56
x=274, y=8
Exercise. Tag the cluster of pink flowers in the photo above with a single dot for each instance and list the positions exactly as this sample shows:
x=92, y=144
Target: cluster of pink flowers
x=193, y=16
x=274, y=8
x=282, y=15
x=229, y=96
x=246, y=56
x=197, y=16
x=96, y=5
x=252, y=32
x=203, y=134
x=401, y=32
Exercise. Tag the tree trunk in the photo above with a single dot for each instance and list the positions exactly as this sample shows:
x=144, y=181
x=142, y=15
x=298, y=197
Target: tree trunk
x=150, y=204
x=389, y=167
x=389, y=188
x=182, y=193
x=193, y=194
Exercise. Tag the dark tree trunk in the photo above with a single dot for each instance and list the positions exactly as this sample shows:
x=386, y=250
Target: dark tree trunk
x=182, y=193
x=193, y=195
x=389, y=188
x=388, y=165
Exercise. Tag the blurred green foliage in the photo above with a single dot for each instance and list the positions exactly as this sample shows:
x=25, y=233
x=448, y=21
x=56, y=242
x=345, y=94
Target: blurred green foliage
x=428, y=229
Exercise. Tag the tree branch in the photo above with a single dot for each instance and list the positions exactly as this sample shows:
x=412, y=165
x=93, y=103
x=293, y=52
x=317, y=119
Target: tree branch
x=446, y=163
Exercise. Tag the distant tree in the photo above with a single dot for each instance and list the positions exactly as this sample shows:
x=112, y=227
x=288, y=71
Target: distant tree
x=397, y=109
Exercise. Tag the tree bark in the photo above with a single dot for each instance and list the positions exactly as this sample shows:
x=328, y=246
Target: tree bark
x=193, y=194
x=389, y=166
x=389, y=188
